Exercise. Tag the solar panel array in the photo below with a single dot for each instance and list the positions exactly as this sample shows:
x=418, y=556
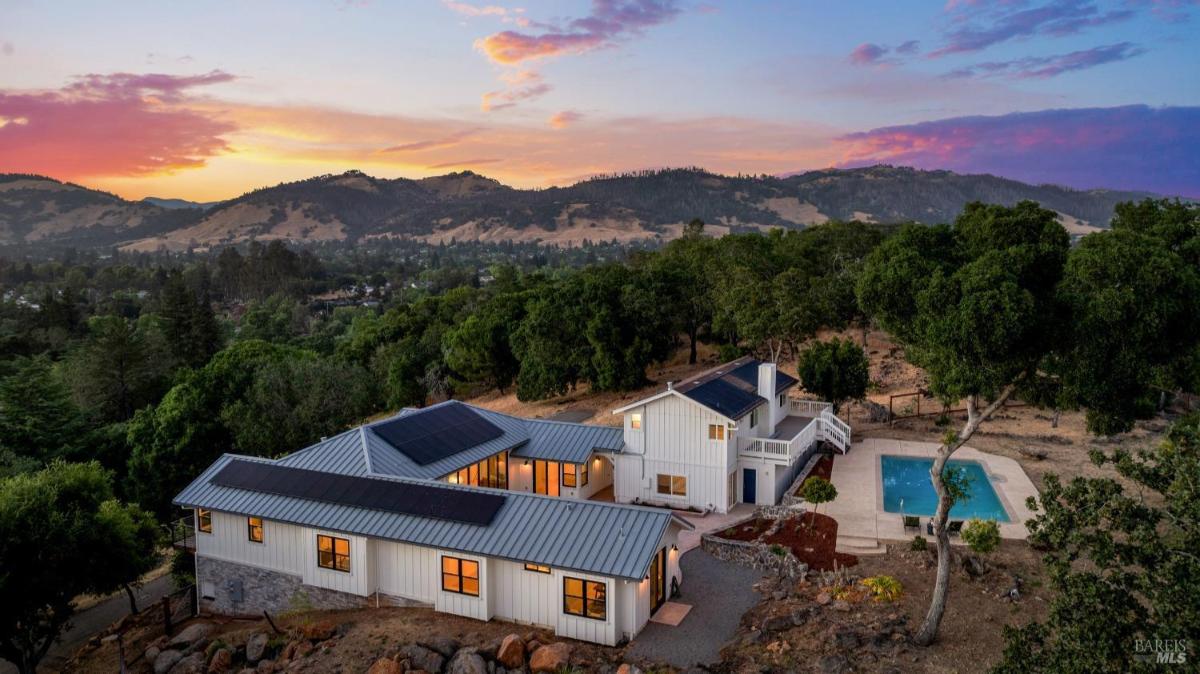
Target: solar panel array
x=436, y=433
x=444, y=503
x=724, y=397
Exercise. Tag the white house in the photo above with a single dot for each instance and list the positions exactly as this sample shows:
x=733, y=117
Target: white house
x=273, y=537
x=729, y=435
x=488, y=515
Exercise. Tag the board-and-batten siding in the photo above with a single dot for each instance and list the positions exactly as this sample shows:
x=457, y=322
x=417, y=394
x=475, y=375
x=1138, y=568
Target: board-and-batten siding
x=523, y=596
x=674, y=434
x=230, y=541
x=408, y=571
x=588, y=629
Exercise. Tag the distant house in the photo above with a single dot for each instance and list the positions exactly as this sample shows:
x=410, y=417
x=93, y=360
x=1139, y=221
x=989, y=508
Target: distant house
x=729, y=435
x=488, y=515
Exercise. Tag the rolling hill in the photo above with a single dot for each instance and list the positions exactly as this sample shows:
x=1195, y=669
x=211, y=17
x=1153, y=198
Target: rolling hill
x=466, y=206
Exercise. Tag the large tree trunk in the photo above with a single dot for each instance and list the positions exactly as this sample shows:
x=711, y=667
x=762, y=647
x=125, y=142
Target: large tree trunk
x=692, y=349
x=937, y=605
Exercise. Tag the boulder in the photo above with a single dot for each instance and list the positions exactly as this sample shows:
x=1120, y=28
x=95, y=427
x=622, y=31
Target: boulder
x=192, y=664
x=550, y=658
x=511, y=653
x=424, y=658
x=152, y=653
x=318, y=631
x=628, y=669
x=823, y=598
x=191, y=634
x=466, y=661
x=777, y=623
x=442, y=644
x=221, y=661
x=833, y=664
x=385, y=666
x=165, y=660
x=265, y=667
x=256, y=646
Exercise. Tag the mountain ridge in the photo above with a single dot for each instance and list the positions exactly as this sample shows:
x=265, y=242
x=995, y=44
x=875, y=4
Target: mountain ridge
x=36, y=210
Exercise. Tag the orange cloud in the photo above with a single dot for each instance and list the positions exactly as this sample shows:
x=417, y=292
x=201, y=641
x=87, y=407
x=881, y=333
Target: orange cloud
x=561, y=120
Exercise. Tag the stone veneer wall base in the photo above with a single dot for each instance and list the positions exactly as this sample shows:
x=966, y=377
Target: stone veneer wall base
x=265, y=590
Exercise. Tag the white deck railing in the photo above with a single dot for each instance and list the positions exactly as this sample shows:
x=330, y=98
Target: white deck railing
x=807, y=408
x=825, y=425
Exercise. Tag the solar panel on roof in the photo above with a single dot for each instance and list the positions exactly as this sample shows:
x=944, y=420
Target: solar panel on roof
x=458, y=505
x=436, y=433
x=724, y=397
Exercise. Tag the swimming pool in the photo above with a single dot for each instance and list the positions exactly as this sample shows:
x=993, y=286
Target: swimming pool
x=907, y=489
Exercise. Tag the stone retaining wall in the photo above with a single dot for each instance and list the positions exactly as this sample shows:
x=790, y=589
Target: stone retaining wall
x=264, y=590
x=755, y=555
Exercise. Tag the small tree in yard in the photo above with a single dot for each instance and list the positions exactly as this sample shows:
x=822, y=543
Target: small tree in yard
x=836, y=370
x=817, y=490
x=1123, y=563
x=61, y=535
x=999, y=300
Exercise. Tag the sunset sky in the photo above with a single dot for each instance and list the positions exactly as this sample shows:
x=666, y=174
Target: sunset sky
x=206, y=100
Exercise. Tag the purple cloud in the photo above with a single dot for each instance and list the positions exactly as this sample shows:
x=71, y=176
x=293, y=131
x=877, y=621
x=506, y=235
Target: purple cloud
x=1133, y=147
x=1013, y=20
x=1043, y=67
x=867, y=53
x=910, y=47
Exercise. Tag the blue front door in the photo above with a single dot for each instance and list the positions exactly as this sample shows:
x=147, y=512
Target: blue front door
x=749, y=485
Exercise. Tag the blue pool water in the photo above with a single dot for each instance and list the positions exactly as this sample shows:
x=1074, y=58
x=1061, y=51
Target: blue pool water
x=907, y=479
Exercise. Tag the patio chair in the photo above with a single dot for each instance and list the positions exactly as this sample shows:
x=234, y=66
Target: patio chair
x=911, y=522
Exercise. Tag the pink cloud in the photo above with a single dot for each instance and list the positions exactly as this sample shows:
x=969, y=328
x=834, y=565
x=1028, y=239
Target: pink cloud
x=120, y=124
x=979, y=29
x=432, y=144
x=1130, y=147
x=507, y=98
x=867, y=53
x=1043, y=67
x=561, y=120
x=609, y=21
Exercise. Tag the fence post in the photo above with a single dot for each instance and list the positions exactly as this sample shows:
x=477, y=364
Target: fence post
x=166, y=605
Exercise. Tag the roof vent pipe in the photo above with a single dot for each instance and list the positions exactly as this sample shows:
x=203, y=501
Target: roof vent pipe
x=670, y=386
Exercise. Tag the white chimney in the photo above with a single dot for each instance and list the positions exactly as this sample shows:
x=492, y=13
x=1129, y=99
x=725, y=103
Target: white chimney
x=766, y=389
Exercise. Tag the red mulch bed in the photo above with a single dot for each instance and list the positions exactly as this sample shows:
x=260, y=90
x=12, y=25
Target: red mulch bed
x=746, y=531
x=812, y=538
x=822, y=468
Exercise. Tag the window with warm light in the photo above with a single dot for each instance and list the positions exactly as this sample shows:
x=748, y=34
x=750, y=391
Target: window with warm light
x=490, y=472
x=585, y=598
x=204, y=520
x=574, y=475
x=254, y=527
x=716, y=432
x=460, y=576
x=333, y=553
x=672, y=485
x=635, y=421
x=539, y=568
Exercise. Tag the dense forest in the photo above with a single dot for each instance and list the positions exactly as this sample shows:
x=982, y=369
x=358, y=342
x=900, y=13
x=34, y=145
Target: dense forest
x=123, y=375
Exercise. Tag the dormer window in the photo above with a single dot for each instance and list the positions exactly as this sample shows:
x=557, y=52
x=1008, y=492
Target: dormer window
x=635, y=421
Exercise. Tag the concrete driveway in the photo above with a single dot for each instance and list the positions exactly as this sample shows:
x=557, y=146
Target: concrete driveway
x=719, y=593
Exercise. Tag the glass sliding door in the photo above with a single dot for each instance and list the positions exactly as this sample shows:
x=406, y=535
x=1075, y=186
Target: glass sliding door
x=546, y=477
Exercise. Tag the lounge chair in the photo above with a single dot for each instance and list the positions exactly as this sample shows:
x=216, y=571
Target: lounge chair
x=953, y=528
x=912, y=522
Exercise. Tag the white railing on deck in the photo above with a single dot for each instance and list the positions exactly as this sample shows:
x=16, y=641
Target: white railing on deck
x=808, y=408
x=834, y=430
x=781, y=449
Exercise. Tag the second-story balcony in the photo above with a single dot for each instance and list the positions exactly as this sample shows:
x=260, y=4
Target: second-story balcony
x=807, y=421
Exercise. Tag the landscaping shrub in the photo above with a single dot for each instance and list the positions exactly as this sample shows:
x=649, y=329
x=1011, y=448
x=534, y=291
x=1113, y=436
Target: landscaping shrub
x=884, y=588
x=981, y=536
x=919, y=544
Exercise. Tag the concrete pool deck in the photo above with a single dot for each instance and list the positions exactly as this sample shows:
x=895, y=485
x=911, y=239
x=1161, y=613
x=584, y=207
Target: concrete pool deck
x=858, y=508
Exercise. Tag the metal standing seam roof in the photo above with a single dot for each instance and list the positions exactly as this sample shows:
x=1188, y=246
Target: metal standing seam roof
x=360, y=451
x=587, y=536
